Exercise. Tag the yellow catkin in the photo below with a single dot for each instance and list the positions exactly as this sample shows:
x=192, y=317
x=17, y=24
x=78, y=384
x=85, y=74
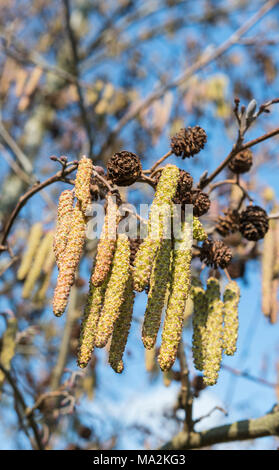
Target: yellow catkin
x=37, y=266
x=8, y=346
x=230, y=330
x=145, y=256
x=90, y=320
x=268, y=255
x=47, y=271
x=180, y=287
x=199, y=325
x=157, y=294
x=83, y=182
x=199, y=233
x=115, y=291
x=32, y=245
x=63, y=226
x=149, y=360
x=214, y=330
x=121, y=329
x=106, y=245
x=71, y=258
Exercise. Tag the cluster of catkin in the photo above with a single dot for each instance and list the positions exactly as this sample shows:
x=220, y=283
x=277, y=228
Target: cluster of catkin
x=215, y=326
x=163, y=264
x=37, y=264
x=70, y=233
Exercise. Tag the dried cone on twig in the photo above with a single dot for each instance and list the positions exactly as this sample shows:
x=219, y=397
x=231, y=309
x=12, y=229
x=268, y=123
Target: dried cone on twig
x=228, y=223
x=241, y=162
x=124, y=168
x=200, y=201
x=188, y=141
x=253, y=223
x=216, y=254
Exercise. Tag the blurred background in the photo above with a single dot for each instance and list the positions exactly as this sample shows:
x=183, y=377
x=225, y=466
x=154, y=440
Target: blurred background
x=95, y=77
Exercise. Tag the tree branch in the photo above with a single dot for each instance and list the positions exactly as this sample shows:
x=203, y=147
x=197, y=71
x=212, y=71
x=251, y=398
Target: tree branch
x=267, y=425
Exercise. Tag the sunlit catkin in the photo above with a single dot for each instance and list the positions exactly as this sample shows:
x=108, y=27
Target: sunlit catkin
x=89, y=324
x=121, y=329
x=37, y=266
x=159, y=216
x=8, y=346
x=268, y=256
x=106, y=245
x=180, y=287
x=157, y=294
x=83, y=181
x=214, y=329
x=199, y=325
x=199, y=233
x=230, y=329
x=115, y=292
x=71, y=257
x=32, y=245
x=63, y=226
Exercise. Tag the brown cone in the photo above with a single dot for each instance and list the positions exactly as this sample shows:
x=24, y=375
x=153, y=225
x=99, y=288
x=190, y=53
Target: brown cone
x=253, y=223
x=215, y=253
x=242, y=162
x=187, y=142
x=124, y=168
x=200, y=201
x=228, y=223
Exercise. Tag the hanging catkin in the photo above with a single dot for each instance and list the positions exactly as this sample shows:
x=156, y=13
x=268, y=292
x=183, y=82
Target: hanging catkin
x=47, y=270
x=32, y=245
x=90, y=320
x=199, y=233
x=199, y=325
x=267, y=270
x=157, y=294
x=37, y=266
x=214, y=330
x=121, y=329
x=83, y=181
x=71, y=257
x=230, y=329
x=63, y=226
x=180, y=286
x=8, y=346
x=160, y=209
x=106, y=245
x=115, y=291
